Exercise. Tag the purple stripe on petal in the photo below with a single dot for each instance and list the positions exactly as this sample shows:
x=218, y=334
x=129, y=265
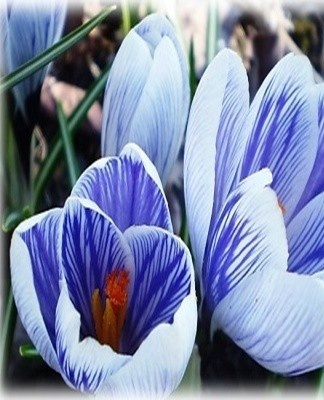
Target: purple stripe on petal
x=315, y=184
x=283, y=132
x=214, y=144
x=249, y=235
x=306, y=238
x=124, y=190
x=42, y=241
x=92, y=247
x=162, y=280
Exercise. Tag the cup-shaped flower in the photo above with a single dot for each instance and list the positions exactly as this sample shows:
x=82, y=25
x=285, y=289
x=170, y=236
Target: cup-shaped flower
x=147, y=94
x=103, y=287
x=28, y=28
x=270, y=306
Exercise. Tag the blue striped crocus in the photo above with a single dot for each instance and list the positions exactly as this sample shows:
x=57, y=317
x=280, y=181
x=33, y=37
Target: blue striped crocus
x=29, y=28
x=103, y=287
x=147, y=94
x=269, y=304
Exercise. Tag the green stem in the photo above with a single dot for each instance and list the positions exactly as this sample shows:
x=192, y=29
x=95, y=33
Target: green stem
x=28, y=351
x=320, y=392
x=7, y=334
x=192, y=69
x=53, y=52
x=125, y=17
x=74, y=121
x=212, y=31
x=184, y=234
x=71, y=161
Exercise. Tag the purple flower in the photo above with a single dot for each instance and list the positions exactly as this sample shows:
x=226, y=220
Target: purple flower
x=268, y=304
x=103, y=287
x=147, y=94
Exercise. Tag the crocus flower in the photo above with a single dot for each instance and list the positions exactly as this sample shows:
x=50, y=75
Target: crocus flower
x=147, y=94
x=29, y=28
x=103, y=287
x=267, y=304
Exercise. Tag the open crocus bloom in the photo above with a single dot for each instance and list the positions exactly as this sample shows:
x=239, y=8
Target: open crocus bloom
x=103, y=287
x=270, y=306
x=27, y=29
x=147, y=94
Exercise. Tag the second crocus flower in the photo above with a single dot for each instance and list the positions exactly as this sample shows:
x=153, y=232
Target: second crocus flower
x=147, y=94
x=268, y=304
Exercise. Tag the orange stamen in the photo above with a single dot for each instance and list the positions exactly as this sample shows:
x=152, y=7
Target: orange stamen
x=109, y=320
x=281, y=206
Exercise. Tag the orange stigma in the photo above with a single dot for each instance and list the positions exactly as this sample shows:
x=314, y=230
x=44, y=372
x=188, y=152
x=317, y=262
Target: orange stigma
x=109, y=319
x=281, y=206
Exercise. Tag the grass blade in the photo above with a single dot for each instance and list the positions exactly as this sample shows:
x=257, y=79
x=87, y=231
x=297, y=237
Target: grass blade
x=71, y=161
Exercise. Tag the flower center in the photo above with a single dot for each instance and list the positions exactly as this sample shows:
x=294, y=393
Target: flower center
x=109, y=318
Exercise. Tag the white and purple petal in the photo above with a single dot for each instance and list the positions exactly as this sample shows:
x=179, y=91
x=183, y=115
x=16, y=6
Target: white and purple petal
x=147, y=94
x=35, y=279
x=214, y=144
x=277, y=318
x=85, y=364
x=127, y=189
x=123, y=91
x=32, y=28
x=157, y=125
x=162, y=316
x=282, y=128
x=306, y=238
x=152, y=29
x=163, y=278
x=315, y=183
x=92, y=247
x=248, y=236
x=158, y=366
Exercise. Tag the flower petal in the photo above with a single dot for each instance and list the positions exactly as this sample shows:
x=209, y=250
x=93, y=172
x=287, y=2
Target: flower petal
x=152, y=29
x=282, y=124
x=157, y=367
x=92, y=246
x=248, y=236
x=163, y=278
x=85, y=364
x=306, y=239
x=128, y=189
x=213, y=145
x=158, y=125
x=32, y=28
x=315, y=184
x=277, y=318
x=124, y=88
x=35, y=279
x=147, y=97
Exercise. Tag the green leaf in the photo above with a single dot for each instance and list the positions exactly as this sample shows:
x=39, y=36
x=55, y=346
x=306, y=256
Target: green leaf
x=192, y=69
x=212, y=31
x=28, y=351
x=74, y=121
x=7, y=332
x=12, y=219
x=53, y=52
x=71, y=161
x=126, y=17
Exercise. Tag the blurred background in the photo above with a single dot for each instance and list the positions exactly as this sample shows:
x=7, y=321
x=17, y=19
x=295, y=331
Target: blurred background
x=260, y=31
